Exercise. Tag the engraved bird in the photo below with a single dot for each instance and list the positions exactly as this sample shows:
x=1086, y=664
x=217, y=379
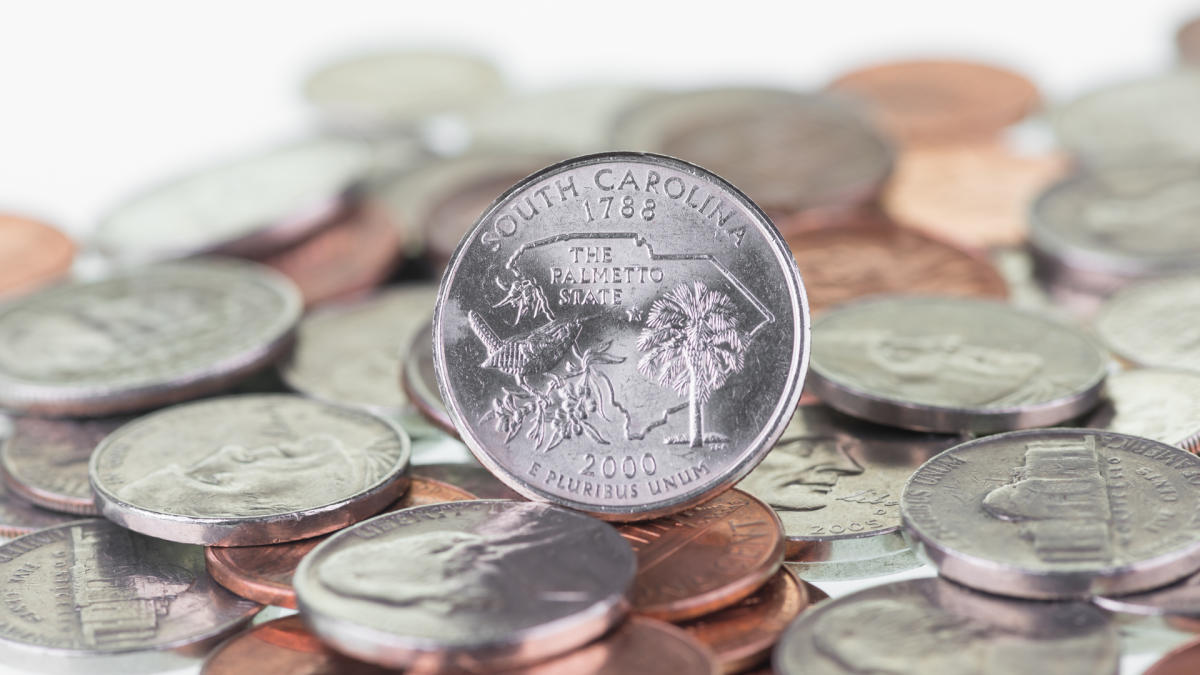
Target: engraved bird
x=535, y=352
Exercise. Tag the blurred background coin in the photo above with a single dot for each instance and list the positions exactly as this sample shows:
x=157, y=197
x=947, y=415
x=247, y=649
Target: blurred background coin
x=32, y=254
x=1156, y=403
x=639, y=645
x=144, y=338
x=852, y=559
x=1154, y=323
x=420, y=381
x=46, y=461
x=1187, y=41
x=469, y=477
x=1183, y=660
x=18, y=516
x=249, y=470
x=283, y=646
x=1180, y=599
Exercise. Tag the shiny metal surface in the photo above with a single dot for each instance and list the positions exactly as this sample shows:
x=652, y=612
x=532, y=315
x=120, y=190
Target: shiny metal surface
x=1180, y=599
x=1156, y=403
x=849, y=559
x=1155, y=323
x=46, y=461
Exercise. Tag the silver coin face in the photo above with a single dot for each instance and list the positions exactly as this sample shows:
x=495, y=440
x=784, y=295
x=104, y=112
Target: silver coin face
x=1057, y=513
x=833, y=477
x=1154, y=323
x=947, y=364
x=622, y=334
x=1155, y=403
x=46, y=461
x=935, y=627
x=249, y=470
x=465, y=583
x=99, y=596
x=143, y=338
x=249, y=207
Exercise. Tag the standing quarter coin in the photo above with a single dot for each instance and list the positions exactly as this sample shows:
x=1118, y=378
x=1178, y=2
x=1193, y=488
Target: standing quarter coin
x=1155, y=323
x=46, y=461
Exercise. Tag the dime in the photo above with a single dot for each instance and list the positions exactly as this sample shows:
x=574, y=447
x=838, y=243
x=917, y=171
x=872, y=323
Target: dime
x=850, y=559
x=1056, y=513
x=872, y=256
x=934, y=626
x=352, y=354
x=1187, y=40
x=32, y=254
x=621, y=301
x=1178, y=599
x=951, y=365
x=789, y=152
x=1154, y=323
x=470, y=477
x=249, y=207
x=264, y=573
x=88, y=596
x=704, y=559
x=143, y=338
x=1102, y=229
x=46, y=461
x=639, y=646
x=249, y=470
x=1155, y=403
x=832, y=477
x=462, y=584
x=1183, y=660
x=420, y=381
x=925, y=102
x=283, y=647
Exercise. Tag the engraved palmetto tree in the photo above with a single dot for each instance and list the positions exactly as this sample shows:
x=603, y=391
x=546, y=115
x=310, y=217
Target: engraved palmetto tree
x=692, y=346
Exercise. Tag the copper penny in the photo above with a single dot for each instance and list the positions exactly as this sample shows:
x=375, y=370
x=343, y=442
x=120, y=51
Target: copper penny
x=639, y=646
x=874, y=256
x=471, y=478
x=1187, y=40
x=941, y=101
x=419, y=380
x=31, y=254
x=704, y=559
x=46, y=461
x=742, y=635
x=974, y=194
x=283, y=647
x=1183, y=660
x=264, y=573
x=344, y=260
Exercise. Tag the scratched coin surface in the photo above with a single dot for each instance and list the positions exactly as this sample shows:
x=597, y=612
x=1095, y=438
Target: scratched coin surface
x=462, y=584
x=833, y=477
x=419, y=378
x=704, y=559
x=143, y=338
x=247, y=207
x=248, y=470
x=787, y=151
x=935, y=626
x=46, y=461
x=624, y=334
x=952, y=364
x=1154, y=323
x=88, y=596
x=1156, y=403
x=1055, y=513
x=32, y=254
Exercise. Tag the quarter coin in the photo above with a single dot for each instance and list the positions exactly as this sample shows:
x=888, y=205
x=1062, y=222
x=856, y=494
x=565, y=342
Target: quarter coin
x=144, y=338
x=283, y=647
x=953, y=365
x=466, y=585
x=1183, y=660
x=1154, y=323
x=46, y=461
x=1058, y=513
x=249, y=470
x=420, y=381
x=623, y=334
x=1155, y=403
x=32, y=254
x=639, y=646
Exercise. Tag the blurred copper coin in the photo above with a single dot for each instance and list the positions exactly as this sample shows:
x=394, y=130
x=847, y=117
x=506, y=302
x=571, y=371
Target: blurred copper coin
x=472, y=478
x=940, y=101
x=419, y=379
x=874, y=256
x=344, y=260
x=1183, y=660
x=283, y=647
x=264, y=573
x=639, y=646
x=46, y=461
x=704, y=559
x=1187, y=40
x=31, y=254
x=742, y=635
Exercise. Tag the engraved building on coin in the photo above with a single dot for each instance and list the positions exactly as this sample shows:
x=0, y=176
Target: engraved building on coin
x=625, y=334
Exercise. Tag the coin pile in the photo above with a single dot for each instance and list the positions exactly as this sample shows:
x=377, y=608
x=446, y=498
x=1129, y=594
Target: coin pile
x=763, y=340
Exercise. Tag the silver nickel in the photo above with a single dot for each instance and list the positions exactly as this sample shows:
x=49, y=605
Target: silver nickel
x=1156, y=403
x=934, y=627
x=953, y=365
x=90, y=597
x=1058, y=513
x=143, y=338
x=1178, y=599
x=46, y=461
x=851, y=559
x=249, y=470
x=623, y=334
x=464, y=585
x=1155, y=323
x=249, y=207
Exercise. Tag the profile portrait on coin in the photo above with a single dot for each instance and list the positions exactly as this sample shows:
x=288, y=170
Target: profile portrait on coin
x=800, y=471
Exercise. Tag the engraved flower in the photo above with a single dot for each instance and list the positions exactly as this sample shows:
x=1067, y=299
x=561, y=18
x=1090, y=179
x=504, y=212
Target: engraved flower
x=570, y=419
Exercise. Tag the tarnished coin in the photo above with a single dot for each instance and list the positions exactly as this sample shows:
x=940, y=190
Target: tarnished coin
x=1102, y=229
x=1183, y=660
x=46, y=461
x=90, y=597
x=639, y=646
x=352, y=354
x=249, y=207
x=832, y=477
x=1154, y=323
x=787, y=151
x=32, y=254
x=1187, y=41
x=1056, y=513
x=470, y=477
x=420, y=381
x=872, y=256
x=704, y=559
x=951, y=365
x=924, y=102
x=144, y=338
x=283, y=647
x=850, y=559
x=249, y=470
x=462, y=584
x=264, y=573
x=934, y=626
x=1180, y=599
x=1156, y=403
x=623, y=334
